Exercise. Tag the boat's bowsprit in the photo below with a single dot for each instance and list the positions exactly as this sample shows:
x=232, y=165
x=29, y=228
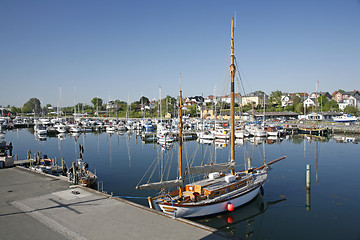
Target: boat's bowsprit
x=161, y=185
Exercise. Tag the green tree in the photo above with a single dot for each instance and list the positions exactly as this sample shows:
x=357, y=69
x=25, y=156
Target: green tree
x=289, y=108
x=144, y=100
x=193, y=110
x=351, y=110
x=299, y=108
x=275, y=97
x=261, y=93
x=247, y=107
x=79, y=107
x=97, y=102
x=15, y=109
x=296, y=100
x=331, y=106
x=135, y=106
x=67, y=110
x=33, y=105
x=322, y=100
x=121, y=105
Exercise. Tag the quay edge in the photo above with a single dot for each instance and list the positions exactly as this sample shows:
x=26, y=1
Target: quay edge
x=50, y=206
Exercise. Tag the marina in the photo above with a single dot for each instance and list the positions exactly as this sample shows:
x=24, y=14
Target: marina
x=120, y=160
x=99, y=140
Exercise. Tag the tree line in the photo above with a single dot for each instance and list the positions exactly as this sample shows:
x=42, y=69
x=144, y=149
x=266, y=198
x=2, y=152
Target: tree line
x=141, y=108
x=145, y=108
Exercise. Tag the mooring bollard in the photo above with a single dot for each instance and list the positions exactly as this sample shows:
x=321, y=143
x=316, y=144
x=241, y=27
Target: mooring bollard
x=308, y=187
x=307, y=176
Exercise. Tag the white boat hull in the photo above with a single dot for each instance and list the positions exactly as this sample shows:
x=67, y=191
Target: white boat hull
x=239, y=134
x=345, y=118
x=206, y=136
x=206, y=209
x=275, y=134
x=222, y=136
x=165, y=140
x=260, y=134
x=41, y=132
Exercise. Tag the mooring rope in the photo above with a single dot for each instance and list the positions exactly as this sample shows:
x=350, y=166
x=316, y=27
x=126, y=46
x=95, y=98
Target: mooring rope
x=130, y=197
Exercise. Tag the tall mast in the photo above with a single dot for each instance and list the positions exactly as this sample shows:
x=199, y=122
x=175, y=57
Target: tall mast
x=317, y=104
x=180, y=137
x=160, y=110
x=232, y=106
x=74, y=102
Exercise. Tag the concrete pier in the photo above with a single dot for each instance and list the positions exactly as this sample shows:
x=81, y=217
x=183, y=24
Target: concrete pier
x=36, y=206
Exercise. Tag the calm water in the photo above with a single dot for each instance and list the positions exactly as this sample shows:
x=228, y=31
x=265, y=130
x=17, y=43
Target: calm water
x=121, y=161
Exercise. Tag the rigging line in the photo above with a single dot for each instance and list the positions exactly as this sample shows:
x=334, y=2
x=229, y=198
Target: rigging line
x=226, y=86
x=164, y=163
x=244, y=154
x=188, y=163
x=170, y=163
x=209, y=153
x=193, y=157
x=239, y=76
x=160, y=161
x=282, y=149
x=161, y=168
x=252, y=150
x=203, y=155
x=191, y=163
x=151, y=165
x=210, y=157
x=261, y=152
x=167, y=164
x=212, y=154
x=185, y=150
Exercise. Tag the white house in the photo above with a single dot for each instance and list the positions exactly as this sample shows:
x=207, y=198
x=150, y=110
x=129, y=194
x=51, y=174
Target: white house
x=309, y=102
x=254, y=97
x=111, y=105
x=318, y=94
x=227, y=98
x=351, y=101
x=286, y=100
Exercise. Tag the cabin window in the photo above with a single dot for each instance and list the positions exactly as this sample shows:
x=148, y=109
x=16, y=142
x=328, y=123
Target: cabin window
x=191, y=188
x=228, y=189
x=216, y=193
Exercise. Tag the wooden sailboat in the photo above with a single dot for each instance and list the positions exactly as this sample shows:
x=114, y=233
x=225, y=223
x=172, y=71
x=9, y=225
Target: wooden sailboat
x=221, y=191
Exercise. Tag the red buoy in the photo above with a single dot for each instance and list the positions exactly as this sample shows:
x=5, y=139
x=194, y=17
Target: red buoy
x=230, y=207
x=230, y=219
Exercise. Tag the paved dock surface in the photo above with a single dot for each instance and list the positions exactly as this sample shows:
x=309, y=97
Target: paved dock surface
x=35, y=206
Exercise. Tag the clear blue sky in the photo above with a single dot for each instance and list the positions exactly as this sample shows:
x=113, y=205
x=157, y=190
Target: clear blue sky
x=120, y=49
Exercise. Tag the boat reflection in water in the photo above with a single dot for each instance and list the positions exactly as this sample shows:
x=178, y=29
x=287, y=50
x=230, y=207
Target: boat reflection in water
x=231, y=222
x=166, y=146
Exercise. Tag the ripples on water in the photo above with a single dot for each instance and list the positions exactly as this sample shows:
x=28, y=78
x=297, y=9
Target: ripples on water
x=121, y=160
